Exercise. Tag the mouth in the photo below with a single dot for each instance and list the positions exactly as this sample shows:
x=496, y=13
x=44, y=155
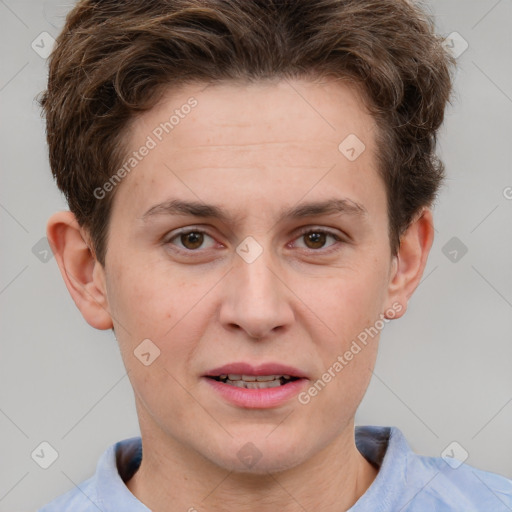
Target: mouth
x=263, y=386
x=254, y=381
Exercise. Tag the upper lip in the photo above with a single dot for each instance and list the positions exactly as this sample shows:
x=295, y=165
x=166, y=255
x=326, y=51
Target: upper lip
x=242, y=368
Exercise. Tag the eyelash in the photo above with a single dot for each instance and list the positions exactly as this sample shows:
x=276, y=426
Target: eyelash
x=303, y=232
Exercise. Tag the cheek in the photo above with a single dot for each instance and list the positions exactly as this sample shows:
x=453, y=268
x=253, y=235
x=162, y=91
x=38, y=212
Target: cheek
x=354, y=300
x=351, y=305
x=348, y=356
x=153, y=304
x=142, y=292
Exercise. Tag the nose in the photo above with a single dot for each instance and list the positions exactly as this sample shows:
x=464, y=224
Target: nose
x=256, y=299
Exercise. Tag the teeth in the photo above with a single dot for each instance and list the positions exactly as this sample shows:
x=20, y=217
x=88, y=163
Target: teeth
x=254, y=381
x=266, y=378
x=254, y=378
x=254, y=385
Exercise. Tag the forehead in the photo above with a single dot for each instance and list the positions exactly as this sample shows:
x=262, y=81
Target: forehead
x=248, y=113
x=290, y=132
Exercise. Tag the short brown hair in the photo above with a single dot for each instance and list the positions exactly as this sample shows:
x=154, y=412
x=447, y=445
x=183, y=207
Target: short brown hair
x=115, y=58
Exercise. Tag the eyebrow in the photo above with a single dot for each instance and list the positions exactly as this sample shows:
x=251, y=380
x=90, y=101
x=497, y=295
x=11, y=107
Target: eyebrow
x=343, y=206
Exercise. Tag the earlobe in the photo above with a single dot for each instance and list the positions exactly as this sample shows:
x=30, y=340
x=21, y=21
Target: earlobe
x=82, y=273
x=410, y=262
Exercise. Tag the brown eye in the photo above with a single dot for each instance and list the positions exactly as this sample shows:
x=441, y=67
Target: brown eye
x=192, y=240
x=315, y=240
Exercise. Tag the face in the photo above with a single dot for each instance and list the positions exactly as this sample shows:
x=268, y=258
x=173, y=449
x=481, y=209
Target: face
x=282, y=259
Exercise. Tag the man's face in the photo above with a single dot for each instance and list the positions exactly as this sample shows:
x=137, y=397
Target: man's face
x=297, y=292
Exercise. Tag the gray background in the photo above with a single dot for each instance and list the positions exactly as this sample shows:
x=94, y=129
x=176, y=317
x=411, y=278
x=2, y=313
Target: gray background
x=444, y=370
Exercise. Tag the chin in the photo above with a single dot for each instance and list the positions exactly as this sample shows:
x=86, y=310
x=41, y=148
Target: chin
x=263, y=467
x=259, y=456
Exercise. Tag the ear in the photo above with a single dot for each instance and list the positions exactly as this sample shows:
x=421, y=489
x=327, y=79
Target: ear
x=410, y=262
x=83, y=275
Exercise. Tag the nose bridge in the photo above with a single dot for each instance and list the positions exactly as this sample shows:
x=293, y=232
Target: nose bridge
x=257, y=279
x=256, y=298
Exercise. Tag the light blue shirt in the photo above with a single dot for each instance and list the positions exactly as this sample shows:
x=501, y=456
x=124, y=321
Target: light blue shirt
x=406, y=482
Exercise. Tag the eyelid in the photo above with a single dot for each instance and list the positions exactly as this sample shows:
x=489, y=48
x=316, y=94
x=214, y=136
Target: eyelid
x=302, y=231
x=318, y=229
x=182, y=231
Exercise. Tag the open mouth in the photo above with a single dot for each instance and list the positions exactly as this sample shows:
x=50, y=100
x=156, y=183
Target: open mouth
x=254, y=381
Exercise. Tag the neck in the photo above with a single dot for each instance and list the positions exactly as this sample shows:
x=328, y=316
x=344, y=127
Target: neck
x=172, y=477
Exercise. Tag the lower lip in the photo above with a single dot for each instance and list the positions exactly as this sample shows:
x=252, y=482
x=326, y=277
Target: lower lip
x=257, y=398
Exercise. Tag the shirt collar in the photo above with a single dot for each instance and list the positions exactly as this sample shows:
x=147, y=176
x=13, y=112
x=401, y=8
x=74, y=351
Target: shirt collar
x=384, y=447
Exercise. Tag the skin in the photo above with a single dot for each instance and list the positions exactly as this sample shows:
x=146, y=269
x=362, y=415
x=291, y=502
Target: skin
x=253, y=150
